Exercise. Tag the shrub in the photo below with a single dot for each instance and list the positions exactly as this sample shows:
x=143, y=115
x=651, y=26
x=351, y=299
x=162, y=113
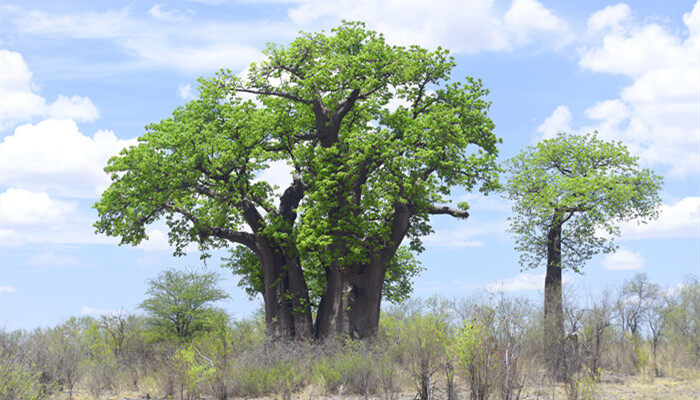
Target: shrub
x=18, y=382
x=419, y=339
x=282, y=378
x=474, y=348
x=354, y=371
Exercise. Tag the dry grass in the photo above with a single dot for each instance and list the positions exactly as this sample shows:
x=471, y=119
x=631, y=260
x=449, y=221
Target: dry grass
x=611, y=387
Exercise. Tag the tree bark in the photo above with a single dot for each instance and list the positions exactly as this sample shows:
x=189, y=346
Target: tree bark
x=331, y=318
x=365, y=282
x=299, y=298
x=286, y=297
x=278, y=313
x=553, y=307
x=365, y=298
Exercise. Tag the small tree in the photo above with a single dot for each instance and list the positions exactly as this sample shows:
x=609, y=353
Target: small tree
x=66, y=354
x=682, y=321
x=475, y=349
x=636, y=298
x=657, y=324
x=513, y=323
x=596, y=322
x=422, y=337
x=180, y=303
x=569, y=195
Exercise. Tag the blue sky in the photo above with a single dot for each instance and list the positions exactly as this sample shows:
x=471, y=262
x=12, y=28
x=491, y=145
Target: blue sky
x=80, y=80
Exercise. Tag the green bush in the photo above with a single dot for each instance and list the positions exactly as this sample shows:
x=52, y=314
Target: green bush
x=282, y=378
x=350, y=372
x=18, y=382
x=474, y=349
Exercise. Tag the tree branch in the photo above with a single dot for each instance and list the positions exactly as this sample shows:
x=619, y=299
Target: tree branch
x=446, y=210
x=289, y=201
x=274, y=93
x=244, y=238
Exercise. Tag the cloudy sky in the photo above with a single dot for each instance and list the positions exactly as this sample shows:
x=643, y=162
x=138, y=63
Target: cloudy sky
x=80, y=80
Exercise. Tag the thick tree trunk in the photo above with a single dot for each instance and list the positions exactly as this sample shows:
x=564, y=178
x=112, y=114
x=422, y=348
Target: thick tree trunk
x=299, y=298
x=278, y=316
x=286, y=297
x=331, y=318
x=553, y=307
x=365, y=298
x=351, y=301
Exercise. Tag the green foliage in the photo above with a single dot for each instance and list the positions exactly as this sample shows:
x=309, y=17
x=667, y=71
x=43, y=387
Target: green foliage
x=419, y=339
x=325, y=106
x=682, y=319
x=586, y=386
x=582, y=183
x=283, y=378
x=355, y=369
x=17, y=382
x=180, y=303
x=475, y=351
x=192, y=370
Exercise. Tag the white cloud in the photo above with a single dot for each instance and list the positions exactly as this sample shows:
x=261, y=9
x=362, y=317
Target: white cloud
x=623, y=259
x=8, y=289
x=656, y=115
x=529, y=19
x=157, y=241
x=278, y=173
x=523, y=282
x=557, y=122
x=96, y=312
x=54, y=156
x=22, y=207
x=611, y=17
x=454, y=238
x=635, y=51
x=158, y=11
x=153, y=42
x=21, y=101
x=75, y=108
x=679, y=220
x=480, y=202
x=147, y=262
x=51, y=259
x=10, y=238
x=184, y=91
x=675, y=290
x=463, y=27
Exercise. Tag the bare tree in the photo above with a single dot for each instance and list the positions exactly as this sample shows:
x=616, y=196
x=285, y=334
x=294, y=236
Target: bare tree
x=656, y=323
x=513, y=323
x=596, y=322
x=633, y=304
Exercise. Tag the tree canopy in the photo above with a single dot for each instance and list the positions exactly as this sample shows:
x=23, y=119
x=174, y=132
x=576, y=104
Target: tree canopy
x=179, y=303
x=376, y=137
x=583, y=184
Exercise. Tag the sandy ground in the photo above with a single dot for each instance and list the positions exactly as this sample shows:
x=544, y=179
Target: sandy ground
x=611, y=388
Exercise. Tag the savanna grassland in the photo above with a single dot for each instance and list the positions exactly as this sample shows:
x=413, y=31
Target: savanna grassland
x=488, y=346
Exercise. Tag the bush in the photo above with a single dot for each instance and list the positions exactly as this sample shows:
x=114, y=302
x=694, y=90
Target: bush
x=282, y=378
x=474, y=348
x=419, y=341
x=18, y=382
x=355, y=370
